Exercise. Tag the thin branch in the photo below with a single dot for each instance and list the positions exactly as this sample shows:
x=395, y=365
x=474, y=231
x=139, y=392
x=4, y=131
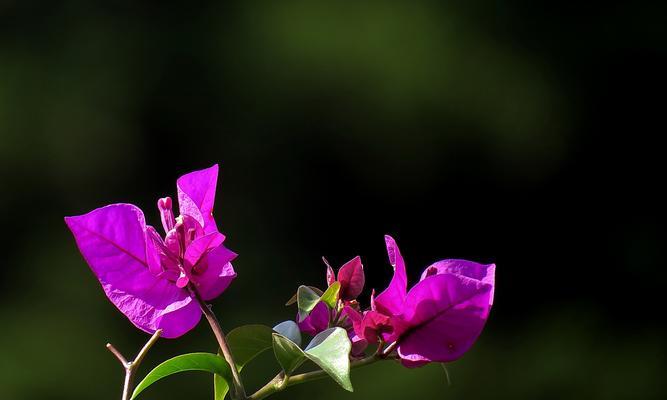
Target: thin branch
x=280, y=382
x=116, y=353
x=131, y=367
x=144, y=350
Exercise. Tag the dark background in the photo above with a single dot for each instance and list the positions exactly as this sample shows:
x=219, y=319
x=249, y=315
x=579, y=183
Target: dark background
x=514, y=132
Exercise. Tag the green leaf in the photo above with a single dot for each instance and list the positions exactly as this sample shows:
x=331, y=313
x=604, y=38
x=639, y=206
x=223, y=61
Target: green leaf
x=330, y=296
x=293, y=299
x=246, y=343
x=306, y=299
x=290, y=330
x=220, y=387
x=330, y=350
x=186, y=362
x=289, y=354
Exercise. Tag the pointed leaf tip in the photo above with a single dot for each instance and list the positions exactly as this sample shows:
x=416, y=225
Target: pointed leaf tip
x=330, y=350
x=331, y=295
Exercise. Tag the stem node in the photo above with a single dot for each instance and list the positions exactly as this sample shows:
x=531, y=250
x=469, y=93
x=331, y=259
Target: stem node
x=132, y=366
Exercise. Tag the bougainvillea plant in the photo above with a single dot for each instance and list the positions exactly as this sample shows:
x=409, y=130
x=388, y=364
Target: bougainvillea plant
x=162, y=285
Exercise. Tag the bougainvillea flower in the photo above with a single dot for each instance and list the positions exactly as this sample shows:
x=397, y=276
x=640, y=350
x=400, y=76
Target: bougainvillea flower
x=155, y=281
x=440, y=318
x=370, y=325
x=351, y=277
x=316, y=321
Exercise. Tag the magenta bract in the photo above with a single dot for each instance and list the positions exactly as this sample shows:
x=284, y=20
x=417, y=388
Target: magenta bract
x=150, y=279
x=351, y=277
x=316, y=321
x=439, y=319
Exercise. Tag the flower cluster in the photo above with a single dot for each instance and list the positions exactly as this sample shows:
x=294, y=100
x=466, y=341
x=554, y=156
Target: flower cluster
x=155, y=281
x=437, y=320
x=161, y=283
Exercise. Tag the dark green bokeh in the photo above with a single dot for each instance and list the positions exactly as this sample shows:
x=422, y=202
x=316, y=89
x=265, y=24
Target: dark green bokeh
x=503, y=131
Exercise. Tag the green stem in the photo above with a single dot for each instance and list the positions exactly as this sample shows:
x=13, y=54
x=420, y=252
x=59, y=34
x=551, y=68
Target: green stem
x=279, y=383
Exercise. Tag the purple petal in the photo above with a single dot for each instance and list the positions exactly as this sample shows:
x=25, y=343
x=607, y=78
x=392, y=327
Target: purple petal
x=390, y=301
x=218, y=274
x=200, y=246
x=351, y=278
x=359, y=344
x=371, y=325
x=481, y=272
x=316, y=321
x=112, y=239
x=196, y=196
x=444, y=315
x=154, y=246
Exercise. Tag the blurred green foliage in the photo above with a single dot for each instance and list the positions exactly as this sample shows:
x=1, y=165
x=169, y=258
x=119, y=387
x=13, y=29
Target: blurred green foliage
x=394, y=101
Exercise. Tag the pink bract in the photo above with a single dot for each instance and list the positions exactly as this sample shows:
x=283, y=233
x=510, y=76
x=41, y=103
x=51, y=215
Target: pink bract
x=350, y=276
x=440, y=318
x=150, y=279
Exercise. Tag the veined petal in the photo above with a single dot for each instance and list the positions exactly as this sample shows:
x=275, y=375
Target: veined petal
x=115, y=233
x=390, y=301
x=351, y=278
x=444, y=314
x=485, y=273
x=112, y=239
x=161, y=305
x=196, y=196
x=218, y=274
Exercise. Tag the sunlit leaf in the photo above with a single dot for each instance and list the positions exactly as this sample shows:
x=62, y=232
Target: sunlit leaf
x=330, y=296
x=330, y=350
x=293, y=299
x=206, y=362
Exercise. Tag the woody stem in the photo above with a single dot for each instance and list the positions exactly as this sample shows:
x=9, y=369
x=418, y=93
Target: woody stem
x=239, y=390
x=132, y=366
